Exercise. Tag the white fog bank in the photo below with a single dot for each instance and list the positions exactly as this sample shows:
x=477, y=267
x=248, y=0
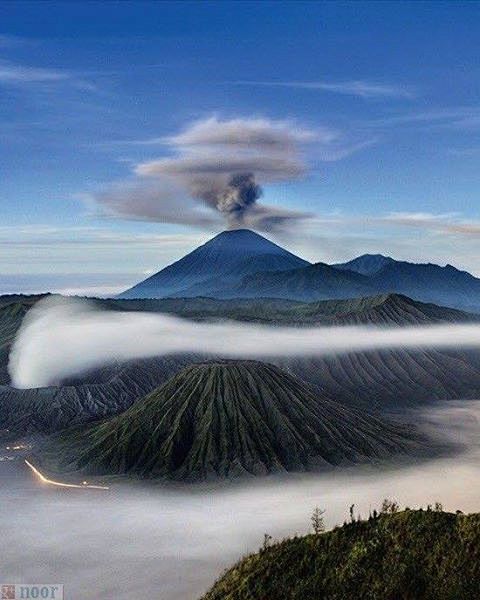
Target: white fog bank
x=172, y=543
x=64, y=337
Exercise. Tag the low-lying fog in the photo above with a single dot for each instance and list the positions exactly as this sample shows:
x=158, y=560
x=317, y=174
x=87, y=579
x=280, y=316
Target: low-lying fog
x=64, y=337
x=138, y=541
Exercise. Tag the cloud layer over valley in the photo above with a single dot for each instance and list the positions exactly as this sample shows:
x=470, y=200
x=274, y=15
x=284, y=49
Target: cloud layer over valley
x=169, y=542
x=64, y=337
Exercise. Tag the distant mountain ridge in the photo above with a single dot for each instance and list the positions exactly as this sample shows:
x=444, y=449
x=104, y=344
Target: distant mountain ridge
x=428, y=282
x=313, y=282
x=243, y=264
x=367, y=264
x=445, y=286
x=391, y=309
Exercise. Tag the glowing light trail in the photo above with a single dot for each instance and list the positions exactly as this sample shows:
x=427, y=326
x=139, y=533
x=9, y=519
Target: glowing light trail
x=65, y=485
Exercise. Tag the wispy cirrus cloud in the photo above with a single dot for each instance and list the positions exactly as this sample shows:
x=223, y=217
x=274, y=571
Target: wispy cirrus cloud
x=343, y=148
x=452, y=117
x=12, y=41
x=360, y=88
x=14, y=74
x=444, y=223
x=85, y=259
x=449, y=223
x=18, y=74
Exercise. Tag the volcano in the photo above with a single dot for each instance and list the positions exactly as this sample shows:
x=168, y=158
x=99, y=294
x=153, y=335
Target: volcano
x=230, y=418
x=221, y=262
x=242, y=264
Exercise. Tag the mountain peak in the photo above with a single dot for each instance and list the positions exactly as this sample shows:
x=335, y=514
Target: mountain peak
x=240, y=239
x=238, y=233
x=227, y=257
x=366, y=264
x=246, y=236
x=376, y=255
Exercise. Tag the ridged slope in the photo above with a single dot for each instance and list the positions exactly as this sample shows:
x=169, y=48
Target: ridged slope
x=387, y=379
x=11, y=316
x=391, y=309
x=228, y=418
x=104, y=393
x=308, y=283
x=394, y=309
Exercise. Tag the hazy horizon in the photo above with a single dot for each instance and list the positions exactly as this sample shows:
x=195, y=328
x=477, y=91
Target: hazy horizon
x=123, y=127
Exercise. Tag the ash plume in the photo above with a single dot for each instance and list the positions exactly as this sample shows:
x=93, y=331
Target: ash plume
x=219, y=167
x=241, y=193
x=236, y=198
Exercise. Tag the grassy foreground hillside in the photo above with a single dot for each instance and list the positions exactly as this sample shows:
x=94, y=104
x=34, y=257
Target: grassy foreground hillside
x=409, y=555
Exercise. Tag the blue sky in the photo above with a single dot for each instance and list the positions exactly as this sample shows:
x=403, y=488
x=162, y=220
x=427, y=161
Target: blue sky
x=88, y=92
